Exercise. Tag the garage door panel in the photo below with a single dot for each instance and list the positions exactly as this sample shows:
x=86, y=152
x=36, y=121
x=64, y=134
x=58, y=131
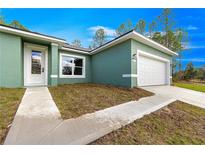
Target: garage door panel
x=151, y=71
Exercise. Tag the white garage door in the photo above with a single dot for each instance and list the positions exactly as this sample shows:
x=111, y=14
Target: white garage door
x=151, y=71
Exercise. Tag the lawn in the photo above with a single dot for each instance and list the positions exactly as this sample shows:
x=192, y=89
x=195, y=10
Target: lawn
x=178, y=123
x=9, y=102
x=77, y=99
x=192, y=86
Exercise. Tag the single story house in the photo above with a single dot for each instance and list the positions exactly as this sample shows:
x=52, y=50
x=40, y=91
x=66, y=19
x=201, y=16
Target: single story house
x=32, y=59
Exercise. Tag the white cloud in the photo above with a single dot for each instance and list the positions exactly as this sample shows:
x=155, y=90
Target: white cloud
x=190, y=27
x=194, y=17
x=89, y=39
x=36, y=57
x=188, y=47
x=192, y=59
x=196, y=47
x=109, y=31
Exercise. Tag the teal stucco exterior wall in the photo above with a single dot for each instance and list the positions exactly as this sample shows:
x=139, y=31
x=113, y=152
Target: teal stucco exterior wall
x=109, y=65
x=11, y=61
x=87, y=78
x=53, y=64
x=137, y=45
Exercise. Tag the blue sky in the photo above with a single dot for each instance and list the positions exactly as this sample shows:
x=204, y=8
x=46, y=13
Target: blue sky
x=81, y=24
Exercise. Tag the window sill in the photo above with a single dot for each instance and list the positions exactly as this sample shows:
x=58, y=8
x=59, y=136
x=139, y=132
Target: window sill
x=71, y=77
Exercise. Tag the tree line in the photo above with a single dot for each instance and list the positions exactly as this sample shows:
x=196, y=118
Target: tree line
x=14, y=23
x=190, y=73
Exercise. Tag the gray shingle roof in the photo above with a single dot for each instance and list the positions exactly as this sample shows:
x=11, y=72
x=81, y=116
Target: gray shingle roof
x=66, y=45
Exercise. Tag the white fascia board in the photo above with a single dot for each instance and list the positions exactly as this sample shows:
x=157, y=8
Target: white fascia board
x=152, y=43
x=75, y=50
x=30, y=34
x=140, y=38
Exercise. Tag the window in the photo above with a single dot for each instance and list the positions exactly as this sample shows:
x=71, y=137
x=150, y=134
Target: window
x=36, y=62
x=72, y=66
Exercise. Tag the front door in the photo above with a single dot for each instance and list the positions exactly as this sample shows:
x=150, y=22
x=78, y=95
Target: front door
x=35, y=65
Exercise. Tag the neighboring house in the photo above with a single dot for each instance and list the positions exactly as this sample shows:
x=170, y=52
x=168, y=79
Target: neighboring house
x=33, y=59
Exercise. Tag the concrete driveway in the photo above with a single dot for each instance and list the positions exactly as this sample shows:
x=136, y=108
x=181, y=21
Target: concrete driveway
x=185, y=95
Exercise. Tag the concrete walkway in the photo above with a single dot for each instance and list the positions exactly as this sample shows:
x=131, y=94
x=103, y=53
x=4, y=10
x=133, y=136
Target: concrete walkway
x=89, y=127
x=36, y=115
x=189, y=96
x=38, y=121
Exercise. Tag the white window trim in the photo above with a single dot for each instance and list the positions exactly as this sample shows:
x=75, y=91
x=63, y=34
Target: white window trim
x=71, y=76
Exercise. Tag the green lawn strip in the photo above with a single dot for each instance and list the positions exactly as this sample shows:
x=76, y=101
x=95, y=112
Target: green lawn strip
x=192, y=86
x=178, y=123
x=9, y=102
x=77, y=99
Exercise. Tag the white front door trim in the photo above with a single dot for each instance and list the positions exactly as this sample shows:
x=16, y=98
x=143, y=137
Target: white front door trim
x=30, y=46
x=140, y=52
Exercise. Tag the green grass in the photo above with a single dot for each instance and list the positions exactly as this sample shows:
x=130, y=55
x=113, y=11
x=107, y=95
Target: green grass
x=9, y=102
x=77, y=99
x=178, y=123
x=192, y=86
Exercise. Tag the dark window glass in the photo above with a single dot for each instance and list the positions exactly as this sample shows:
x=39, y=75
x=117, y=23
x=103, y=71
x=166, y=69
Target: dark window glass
x=36, y=62
x=78, y=71
x=78, y=62
x=67, y=70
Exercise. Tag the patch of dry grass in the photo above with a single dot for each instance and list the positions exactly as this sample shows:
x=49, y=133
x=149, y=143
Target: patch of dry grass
x=9, y=102
x=77, y=99
x=178, y=123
